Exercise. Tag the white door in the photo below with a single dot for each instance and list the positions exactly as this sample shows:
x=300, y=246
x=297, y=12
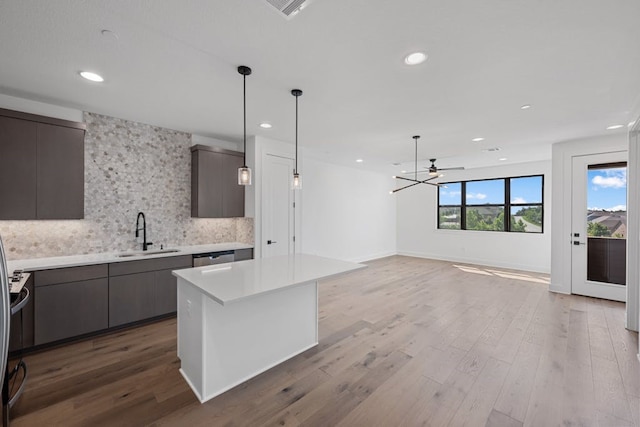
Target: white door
x=278, y=207
x=599, y=217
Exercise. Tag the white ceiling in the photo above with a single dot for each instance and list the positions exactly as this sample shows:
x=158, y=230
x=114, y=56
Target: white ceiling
x=173, y=64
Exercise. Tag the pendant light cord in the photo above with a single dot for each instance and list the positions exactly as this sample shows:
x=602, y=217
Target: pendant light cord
x=416, y=159
x=244, y=84
x=296, y=171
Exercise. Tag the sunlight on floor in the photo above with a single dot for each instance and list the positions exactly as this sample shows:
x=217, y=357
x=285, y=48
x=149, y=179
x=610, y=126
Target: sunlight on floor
x=503, y=274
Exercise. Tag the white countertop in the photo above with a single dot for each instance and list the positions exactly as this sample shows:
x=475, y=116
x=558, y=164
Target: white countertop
x=109, y=257
x=232, y=282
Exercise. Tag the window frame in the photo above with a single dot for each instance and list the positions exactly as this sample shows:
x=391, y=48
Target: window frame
x=507, y=205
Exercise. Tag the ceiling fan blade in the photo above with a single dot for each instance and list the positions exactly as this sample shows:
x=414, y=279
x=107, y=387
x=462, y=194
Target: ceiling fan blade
x=406, y=186
x=412, y=172
x=407, y=179
x=459, y=168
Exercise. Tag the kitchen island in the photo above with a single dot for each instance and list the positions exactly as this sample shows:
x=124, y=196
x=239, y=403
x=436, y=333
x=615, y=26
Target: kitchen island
x=237, y=320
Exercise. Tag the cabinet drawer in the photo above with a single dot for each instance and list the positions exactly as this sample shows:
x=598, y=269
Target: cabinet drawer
x=145, y=265
x=70, y=274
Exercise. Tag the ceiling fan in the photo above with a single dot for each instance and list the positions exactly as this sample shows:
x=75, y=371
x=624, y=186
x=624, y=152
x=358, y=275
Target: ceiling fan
x=415, y=180
x=433, y=170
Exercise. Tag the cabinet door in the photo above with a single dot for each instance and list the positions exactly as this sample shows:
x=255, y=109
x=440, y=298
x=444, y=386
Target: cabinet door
x=166, y=293
x=18, y=171
x=60, y=166
x=233, y=194
x=69, y=309
x=207, y=186
x=131, y=298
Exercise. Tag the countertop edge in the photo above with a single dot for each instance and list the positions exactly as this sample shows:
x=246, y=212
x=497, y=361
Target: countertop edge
x=34, y=264
x=201, y=289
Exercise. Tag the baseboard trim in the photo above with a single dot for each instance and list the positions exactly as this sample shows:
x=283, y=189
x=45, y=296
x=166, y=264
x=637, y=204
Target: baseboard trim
x=373, y=257
x=474, y=261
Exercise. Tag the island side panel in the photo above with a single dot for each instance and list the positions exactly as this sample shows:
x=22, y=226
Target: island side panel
x=246, y=338
x=190, y=330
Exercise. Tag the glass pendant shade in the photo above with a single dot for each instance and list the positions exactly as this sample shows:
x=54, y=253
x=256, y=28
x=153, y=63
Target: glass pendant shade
x=297, y=181
x=244, y=176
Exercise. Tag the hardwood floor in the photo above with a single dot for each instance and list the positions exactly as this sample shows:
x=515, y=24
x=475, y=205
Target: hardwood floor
x=405, y=342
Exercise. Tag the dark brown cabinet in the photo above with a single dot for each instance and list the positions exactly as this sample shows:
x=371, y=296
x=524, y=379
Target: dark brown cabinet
x=60, y=170
x=166, y=300
x=131, y=298
x=215, y=192
x=43, y=167
x=74, y=301
x=18, y=171
x=143, y=289
x=69, y=302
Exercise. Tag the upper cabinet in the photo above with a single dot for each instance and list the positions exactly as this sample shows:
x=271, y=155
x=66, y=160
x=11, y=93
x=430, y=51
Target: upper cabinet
x=215, y=192
x=42, y=174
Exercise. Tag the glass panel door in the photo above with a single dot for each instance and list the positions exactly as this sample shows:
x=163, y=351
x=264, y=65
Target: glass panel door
x=599, y=221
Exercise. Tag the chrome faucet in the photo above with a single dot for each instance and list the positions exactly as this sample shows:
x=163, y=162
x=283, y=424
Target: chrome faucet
x=145, y=244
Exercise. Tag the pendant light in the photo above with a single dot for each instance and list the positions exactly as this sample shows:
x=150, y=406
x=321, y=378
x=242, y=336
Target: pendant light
x=297, y=181
x=244, y=172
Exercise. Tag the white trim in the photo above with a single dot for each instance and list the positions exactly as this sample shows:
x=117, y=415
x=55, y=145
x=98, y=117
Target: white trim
x=474, y=261
x=373, y=257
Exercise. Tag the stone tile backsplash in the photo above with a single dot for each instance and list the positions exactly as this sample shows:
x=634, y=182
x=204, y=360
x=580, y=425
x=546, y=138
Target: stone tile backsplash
x=129, y=167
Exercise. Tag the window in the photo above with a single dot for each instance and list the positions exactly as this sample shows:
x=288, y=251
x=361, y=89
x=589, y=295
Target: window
x=484, y=204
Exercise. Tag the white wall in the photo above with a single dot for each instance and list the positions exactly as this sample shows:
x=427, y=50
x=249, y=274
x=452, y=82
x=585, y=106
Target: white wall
x=633, y=230
x=418, y=234
x=40, y=108
x=342, y=212
x=258, y=148
x=214, y=142
x=347, y=212
x=562, y=155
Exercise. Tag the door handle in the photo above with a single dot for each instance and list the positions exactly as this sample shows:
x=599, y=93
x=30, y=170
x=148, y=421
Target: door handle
x=269, y=242
x=577, y=243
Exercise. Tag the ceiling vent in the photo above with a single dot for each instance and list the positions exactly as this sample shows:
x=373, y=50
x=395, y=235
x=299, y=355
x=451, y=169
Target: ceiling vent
x=289, y=8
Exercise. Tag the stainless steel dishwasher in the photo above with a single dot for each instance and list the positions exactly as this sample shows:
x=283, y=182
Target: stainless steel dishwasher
x=213, y=258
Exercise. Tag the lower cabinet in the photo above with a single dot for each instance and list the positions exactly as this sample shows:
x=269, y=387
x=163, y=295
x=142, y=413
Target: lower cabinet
x=74, y=301
x=143, y=289
x=131, y=298
x=66, y=310
x=166, y=292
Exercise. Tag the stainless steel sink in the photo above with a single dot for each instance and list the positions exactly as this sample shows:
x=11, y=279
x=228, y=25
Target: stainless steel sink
x=147, y=253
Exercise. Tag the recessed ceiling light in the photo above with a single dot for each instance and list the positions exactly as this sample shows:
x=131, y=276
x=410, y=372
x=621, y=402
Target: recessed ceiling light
x=613, y=127
x=478, y=139
x=415, y=58
x=266, y=125
x=359, y=160
x=502, y=159
x=525, y=107
x=403, y=171
x=91, y=76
